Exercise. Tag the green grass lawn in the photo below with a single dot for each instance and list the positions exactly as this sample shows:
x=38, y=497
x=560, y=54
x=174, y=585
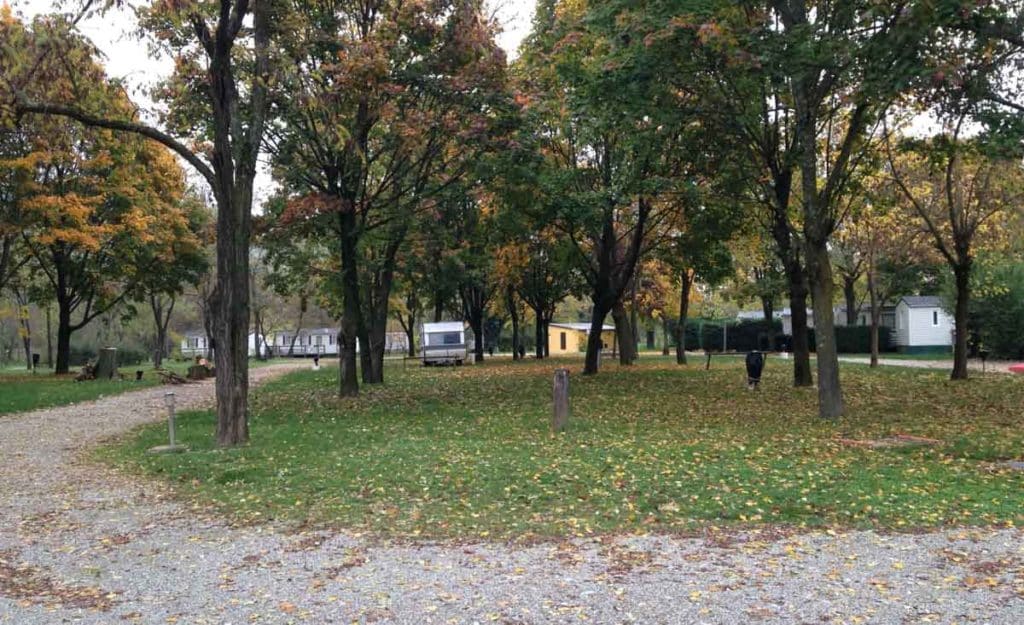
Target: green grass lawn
x=466, y=452
x=22, y=390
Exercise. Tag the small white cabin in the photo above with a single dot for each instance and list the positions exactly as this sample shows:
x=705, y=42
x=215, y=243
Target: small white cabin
x=922, y=325
x=443, y=343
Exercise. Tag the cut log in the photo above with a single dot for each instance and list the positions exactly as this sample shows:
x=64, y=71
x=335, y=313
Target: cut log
x=106, y=366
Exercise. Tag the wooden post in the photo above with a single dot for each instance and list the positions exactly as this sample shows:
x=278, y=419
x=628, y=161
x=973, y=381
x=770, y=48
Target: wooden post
x=560, y=418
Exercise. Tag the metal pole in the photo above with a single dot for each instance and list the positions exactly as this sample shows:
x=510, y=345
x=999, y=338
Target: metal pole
x=170, y=416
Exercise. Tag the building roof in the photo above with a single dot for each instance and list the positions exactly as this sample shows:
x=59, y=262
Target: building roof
x=444, y=326
x=581, y=326
x=922, y=301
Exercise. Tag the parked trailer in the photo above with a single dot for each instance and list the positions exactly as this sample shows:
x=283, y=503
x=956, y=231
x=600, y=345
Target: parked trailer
x=443, y=343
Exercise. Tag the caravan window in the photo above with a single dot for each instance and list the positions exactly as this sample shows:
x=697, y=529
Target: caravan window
x=451, y=338
x=935, y=317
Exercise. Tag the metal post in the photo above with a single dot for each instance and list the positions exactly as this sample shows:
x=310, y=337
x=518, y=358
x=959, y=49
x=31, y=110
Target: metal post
x=169, y=399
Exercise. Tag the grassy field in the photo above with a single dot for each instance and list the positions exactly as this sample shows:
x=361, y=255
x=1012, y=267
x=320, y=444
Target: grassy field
x=22, y=390
x=465, y=452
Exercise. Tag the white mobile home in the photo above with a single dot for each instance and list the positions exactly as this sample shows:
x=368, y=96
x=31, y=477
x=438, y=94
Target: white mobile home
x=194, y=343
x=922, y=325
x=307, y=342
x=443, y=343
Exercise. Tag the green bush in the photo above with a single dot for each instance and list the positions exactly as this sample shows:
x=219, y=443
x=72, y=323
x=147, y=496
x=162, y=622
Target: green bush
x=857, y=339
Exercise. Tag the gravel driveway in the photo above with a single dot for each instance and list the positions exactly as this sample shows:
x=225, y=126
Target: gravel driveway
x=82, y=544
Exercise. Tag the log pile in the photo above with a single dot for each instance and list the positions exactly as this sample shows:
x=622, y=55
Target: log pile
x=169, y=377
x=87, y=372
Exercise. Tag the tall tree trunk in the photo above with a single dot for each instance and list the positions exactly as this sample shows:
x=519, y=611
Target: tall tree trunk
x=513, y=312
x=686, y=282
x=546, y=328
x=624, y=331
x=230, y=304
x=876, y=312
x=63, y=337
x=768, y=308
x=25, y=326
x=830, y=396
x=801, y=339
x=161, y=319
x=352, y=322
x=49, y=339
x=539, y=332
x=850, y=296
x=592, y=361
x=962, y=276
x=664, y=335
x=410, y=337
x=26, y=341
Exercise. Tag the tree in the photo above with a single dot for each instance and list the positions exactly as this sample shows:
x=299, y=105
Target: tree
x=102, y=215
x=888, y=247
x=385, y=109
x=220, y=103
x=957, y=190
x=183, y=262
x=597, y=120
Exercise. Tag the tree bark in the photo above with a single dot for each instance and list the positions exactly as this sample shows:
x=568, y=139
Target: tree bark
x=513, y=312
x=768, y=308
x=539, y=333
x=686, y=282
x=850, y=297
x=798, y=319
x=830, y=398
x=961, y=320
x=49, y=339
x=63, y=337
x=591, y=363
x=161, y=319
x=624, y=331
x=352, y=323
x=664, y=335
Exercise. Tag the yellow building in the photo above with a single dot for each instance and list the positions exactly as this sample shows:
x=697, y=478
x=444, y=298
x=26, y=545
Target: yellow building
x=571, y=338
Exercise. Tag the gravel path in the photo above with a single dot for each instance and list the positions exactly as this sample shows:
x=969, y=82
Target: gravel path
x=83, y=544
x=994, y=366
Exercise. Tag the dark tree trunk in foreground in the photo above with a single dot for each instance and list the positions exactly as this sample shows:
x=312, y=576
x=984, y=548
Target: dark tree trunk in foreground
x=686, y=282
x=538, y=333
x=962, y=275
x=664, y=336
x=352, y=324
x=830, y=398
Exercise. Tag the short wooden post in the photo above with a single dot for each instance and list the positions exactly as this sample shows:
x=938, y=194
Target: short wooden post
x=560, y=418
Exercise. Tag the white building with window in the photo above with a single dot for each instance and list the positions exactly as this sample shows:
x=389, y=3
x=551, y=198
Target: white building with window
x=922, y=325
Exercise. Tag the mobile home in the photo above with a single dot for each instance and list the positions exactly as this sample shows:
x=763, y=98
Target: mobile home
x=443, y=343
